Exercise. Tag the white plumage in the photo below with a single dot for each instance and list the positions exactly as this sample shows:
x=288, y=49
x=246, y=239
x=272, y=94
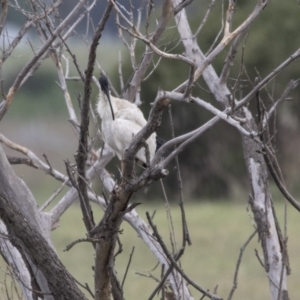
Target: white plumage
x=121, y=121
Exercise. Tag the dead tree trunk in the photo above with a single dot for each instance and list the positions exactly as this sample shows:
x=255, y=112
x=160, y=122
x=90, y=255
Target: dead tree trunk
x=27, y=230
x=262, y=207
x=261, y=199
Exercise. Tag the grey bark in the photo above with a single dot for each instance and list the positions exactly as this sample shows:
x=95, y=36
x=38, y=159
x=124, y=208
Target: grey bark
x=28, y=231
x=261, y=198
x=14, y=259
x=275, y=255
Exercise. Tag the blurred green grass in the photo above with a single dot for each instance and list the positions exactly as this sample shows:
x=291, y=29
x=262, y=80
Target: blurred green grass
x=218, y=231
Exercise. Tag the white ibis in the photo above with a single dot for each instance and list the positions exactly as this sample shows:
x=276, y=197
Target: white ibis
x=121, y=121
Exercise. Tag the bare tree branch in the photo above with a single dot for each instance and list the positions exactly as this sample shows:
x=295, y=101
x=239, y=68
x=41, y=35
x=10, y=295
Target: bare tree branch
x=231, y=58
x=235, y=282
x=82, y=151
x=291, y=85
x=202, y=62
x=172, y=260
x=33, y=159
x=136, y=79
x=229, y=16
x=208, y=11
x=182, y=5
x=4, y=10
x=269, y=156
x=265, y=219
x=24, y=29
x=4, y=105
x=54, y=31
x=25, y=236
x=185, y=232
x=268, y=78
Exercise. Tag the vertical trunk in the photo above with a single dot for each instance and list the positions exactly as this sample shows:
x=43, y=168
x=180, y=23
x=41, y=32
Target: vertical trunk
x=262, y=207
x=28, y=232
x=106, y=283
x=14, y=259
x=17, y=192
x=261, y=199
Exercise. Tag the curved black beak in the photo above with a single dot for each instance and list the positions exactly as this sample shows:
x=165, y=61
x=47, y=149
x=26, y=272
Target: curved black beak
x=104, y=87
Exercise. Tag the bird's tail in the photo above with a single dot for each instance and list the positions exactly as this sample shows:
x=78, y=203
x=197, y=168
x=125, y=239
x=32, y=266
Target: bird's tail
x=159, y=143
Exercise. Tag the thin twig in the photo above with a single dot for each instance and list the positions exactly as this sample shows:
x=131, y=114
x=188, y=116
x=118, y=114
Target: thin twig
x=30, y=66
x=4, y=11
x=127, y=267
x=139, y=73
x=86, y=287
x=189, y=86
x=235, y=282
x=230, y=59
x=185, y=231
x=53, y=196
x=82, y=151
x=71, y=245
x=271, y=159
x=291, y=85
x=173, y=262
x=212, y=46
x=34, y=160
x=166, y=274
x=120, y=250
x=120, y=71
x=259, y=259
x=170, y=219
x=163, y=290
x=159, y=52
x=81, y=74
x=208, y=11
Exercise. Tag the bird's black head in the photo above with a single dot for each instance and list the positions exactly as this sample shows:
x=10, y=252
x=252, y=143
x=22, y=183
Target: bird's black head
x=103, y=83
x=104, y=87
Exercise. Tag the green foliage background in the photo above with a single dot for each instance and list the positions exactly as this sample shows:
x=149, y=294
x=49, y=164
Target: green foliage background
x=212, y=166
x=217, y=230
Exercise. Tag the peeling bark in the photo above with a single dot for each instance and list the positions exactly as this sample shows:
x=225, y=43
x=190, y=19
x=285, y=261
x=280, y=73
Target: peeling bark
x=262, y=207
